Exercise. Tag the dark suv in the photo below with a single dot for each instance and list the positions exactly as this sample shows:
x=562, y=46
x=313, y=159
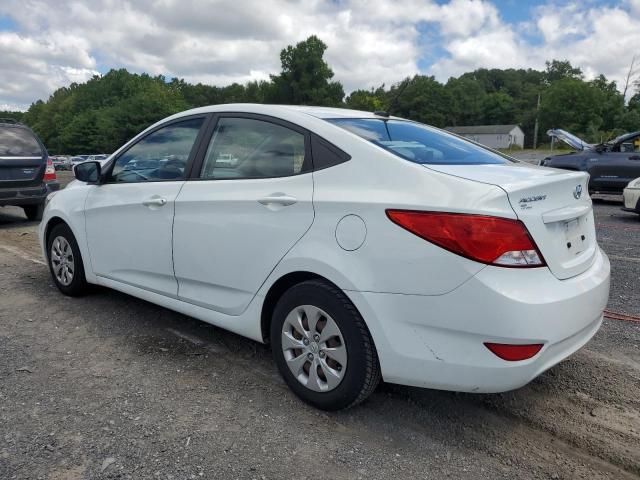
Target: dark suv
x=27, y=175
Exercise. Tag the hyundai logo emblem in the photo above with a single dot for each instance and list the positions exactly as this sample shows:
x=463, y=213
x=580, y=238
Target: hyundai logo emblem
x=577, y=193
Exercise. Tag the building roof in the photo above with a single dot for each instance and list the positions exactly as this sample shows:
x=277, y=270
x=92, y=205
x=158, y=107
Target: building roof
x=482, y=129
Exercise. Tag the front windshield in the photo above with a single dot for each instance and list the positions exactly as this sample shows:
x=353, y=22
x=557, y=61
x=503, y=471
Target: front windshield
x=419, y=143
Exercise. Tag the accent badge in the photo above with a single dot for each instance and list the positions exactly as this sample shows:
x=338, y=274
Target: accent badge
x=577, y=193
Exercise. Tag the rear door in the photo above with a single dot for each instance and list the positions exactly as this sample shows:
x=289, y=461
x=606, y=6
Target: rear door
x=22, y=157
x=249, y=203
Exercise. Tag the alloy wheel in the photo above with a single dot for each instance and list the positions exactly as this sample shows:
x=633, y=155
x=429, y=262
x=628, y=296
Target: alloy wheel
x=314, y=348
x=62, y=261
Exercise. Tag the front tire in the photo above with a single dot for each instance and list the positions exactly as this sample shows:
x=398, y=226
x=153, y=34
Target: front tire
x=322, y=346
x=65, y=261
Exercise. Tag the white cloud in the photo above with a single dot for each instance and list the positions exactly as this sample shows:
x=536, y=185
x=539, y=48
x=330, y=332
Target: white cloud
x=598, y=39
x=33, y=67
x=370, y=43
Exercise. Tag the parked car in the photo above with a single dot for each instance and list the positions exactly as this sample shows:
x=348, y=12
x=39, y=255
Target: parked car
x=98, y=158
x=631, y=196
x=78, y=159
x=611, y=165
x=61, y=162
x=27, y=174
x=340, y=238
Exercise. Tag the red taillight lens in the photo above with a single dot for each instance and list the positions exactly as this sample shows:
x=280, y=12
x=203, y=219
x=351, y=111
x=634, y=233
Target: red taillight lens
x=491, y=240
x=514, y=353
x=50, y=172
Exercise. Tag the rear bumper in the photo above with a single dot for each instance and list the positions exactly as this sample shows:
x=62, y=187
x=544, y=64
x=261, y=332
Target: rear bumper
x=607, y=185
x=438, y=341
x=27, y=195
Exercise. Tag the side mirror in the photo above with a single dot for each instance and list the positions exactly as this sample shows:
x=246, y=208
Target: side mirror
x=88, y=172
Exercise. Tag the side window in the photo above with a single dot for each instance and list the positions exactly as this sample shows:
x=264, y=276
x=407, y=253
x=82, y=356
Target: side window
x=326, y=154
x=248, y=148
x=161, y=155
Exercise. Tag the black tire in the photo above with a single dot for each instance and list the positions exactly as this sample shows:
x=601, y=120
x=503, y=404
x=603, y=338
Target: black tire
x=363, y=370
x=34, y=212
x=78, y=285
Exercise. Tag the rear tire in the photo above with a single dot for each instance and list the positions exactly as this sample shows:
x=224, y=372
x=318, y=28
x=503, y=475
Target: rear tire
x=34, y=212
x=312, y=359
x=65, y=261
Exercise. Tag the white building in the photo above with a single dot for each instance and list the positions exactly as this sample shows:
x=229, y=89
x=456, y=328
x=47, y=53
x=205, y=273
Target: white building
x=493, y=136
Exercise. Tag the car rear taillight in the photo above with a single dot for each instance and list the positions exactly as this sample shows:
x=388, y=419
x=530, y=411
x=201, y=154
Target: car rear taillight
x=514, y=353
x=50, y=172
x=492, y=240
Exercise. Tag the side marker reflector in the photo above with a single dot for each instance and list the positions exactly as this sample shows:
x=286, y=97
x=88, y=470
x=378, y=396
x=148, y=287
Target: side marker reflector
x=514, y=353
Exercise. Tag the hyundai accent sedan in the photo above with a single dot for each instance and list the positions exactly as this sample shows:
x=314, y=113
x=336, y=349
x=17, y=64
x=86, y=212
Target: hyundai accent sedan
x=360, y=246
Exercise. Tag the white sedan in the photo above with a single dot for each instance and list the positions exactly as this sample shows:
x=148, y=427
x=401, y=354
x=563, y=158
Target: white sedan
x=360, y=246
x=631, y=196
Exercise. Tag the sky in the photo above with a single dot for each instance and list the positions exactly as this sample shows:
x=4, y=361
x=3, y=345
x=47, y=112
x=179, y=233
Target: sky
x=46, y=44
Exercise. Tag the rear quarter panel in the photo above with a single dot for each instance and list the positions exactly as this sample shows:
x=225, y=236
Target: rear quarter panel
x=391, y=259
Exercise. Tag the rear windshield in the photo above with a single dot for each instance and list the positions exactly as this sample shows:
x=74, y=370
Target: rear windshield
x=18, y=142
x=418, y=143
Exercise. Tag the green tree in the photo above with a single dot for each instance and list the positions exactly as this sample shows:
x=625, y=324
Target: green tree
x=103, y=113
x=421, y=98
x=106, y=111
x=560, y=69
x=368, y=100
x=634, y=102
x=467, y=98
x=498, y=108
x=306, y=77
x=573, y=105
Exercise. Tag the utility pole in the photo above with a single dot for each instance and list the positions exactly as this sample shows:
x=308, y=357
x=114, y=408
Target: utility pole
x=535, y=127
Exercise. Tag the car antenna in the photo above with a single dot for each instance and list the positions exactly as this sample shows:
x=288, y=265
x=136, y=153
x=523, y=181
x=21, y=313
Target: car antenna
x=381, y=113
x=394, y=101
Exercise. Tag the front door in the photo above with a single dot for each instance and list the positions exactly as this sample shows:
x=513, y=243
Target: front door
x=129, y=218
x=612, y=171
x=251, y=202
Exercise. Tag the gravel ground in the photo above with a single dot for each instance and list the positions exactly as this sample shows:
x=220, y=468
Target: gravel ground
x=108, y=386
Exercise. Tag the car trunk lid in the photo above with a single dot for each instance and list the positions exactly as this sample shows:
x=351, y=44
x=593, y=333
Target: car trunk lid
x=553, y=204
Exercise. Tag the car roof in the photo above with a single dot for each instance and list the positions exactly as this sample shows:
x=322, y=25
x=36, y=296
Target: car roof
x=318, y=112
x=330, y=112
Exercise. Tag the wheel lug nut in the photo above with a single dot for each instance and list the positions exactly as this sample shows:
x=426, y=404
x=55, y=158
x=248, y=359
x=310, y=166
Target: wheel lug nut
x=322, y=354
x=310, y=356
x=316, y=337
x=305, y=341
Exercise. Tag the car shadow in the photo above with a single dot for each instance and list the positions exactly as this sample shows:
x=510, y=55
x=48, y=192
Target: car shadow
x=606, y=199
x=14, y=217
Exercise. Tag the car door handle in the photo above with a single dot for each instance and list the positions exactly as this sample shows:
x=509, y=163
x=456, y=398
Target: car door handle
x=155, y=202
x=634, y=157
x=278, y=199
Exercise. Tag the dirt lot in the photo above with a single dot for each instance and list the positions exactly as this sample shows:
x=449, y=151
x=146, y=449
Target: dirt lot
x=108, y=386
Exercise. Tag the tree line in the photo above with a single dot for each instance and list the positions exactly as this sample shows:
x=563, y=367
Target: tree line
x=106, y=111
